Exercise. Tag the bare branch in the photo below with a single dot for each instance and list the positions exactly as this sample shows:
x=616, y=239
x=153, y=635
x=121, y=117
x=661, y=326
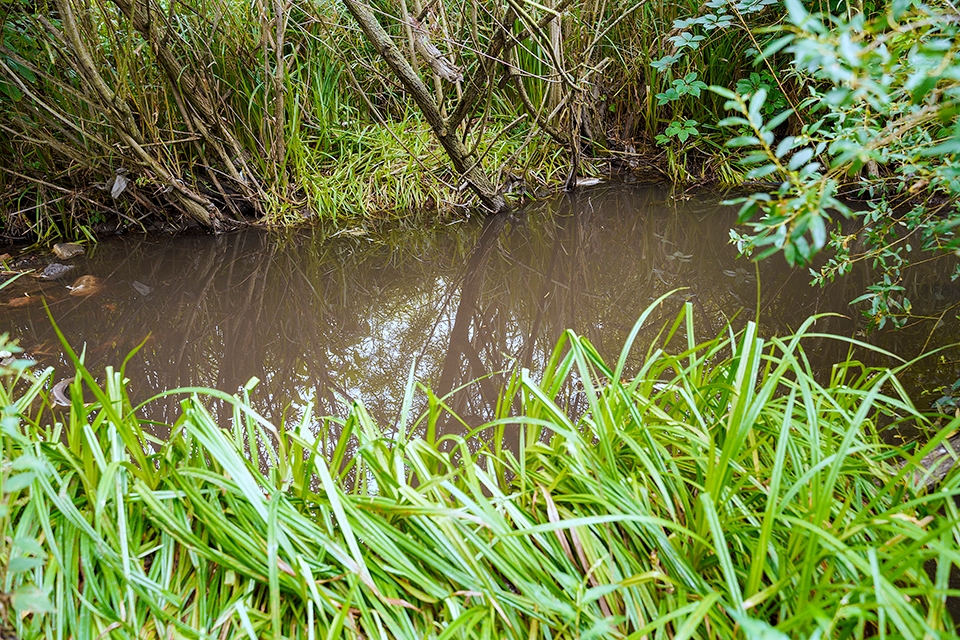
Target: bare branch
x=461, y=159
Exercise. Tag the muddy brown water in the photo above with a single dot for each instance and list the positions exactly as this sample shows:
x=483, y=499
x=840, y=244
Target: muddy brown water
x=339, y=319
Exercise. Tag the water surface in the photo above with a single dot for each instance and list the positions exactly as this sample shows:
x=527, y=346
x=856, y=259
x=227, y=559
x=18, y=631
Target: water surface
x=333, y=320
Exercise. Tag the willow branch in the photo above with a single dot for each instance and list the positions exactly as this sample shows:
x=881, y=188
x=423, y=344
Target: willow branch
x=501, y=41
x=537, y=114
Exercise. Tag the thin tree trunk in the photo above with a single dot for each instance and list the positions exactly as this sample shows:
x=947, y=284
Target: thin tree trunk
x=556, y=86
x=463, y=162
x=120, y=116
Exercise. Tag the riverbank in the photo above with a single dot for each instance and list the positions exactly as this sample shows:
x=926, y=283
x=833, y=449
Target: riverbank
x=287, y=115
x=210, y=128
x=720, y=492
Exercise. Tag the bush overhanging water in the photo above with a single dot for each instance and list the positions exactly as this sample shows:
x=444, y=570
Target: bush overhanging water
x=722, y=491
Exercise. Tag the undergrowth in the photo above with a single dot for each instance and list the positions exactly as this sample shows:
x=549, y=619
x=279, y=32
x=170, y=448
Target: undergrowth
x=722, y=490
x=391, y=169
x=135, y=112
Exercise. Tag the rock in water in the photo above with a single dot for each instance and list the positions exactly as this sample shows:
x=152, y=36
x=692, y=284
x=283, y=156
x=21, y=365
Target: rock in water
x=85, y=286
x=67, y=250
x=55, y=271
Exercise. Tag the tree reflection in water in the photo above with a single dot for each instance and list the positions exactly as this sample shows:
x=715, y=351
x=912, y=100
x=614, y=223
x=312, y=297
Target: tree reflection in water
x=340, y=319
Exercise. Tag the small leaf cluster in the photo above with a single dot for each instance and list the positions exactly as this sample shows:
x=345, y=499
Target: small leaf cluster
x=687, y=85
x=776, y=101
x=688, y=35
x=949, y=402
x=880, y=119
x=679, y=130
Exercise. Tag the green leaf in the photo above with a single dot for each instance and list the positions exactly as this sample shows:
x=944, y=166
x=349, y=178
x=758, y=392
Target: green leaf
x=818, y=231
x=785, y=146
x=743, y=141
x=11, y=90
x=760, y=172
x=18, y=482
x=778, y=119
x=723, y=92
x=800, y=158
x=900, y=7
x=922, y=88
x=598, y=592
x=796, y=12
x=20, y=564
x=754, y=158
x=791, y=255
x=755, y=629
x=665, y=62
x=25, y=73
x=602, y=628
x=950, y=145
x=29, y=546
x=29, y=599
x=733, y=121
x=747, y=212
x=775, y=46
x=29, y=462
x=756, y=103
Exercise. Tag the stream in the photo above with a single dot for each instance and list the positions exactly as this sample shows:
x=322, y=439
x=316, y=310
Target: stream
x=338, y=319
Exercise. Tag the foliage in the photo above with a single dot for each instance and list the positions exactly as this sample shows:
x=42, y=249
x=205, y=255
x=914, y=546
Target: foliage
x=881, y=116
x=721, y=490
x=196, y=117
x=687, y=85
x=20, y=552
x=679, y=130
x=948, y=402
x=719, y=31
x=775, y=102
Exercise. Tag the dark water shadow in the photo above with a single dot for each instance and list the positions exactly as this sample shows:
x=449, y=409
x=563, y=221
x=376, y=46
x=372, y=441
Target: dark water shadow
x=334, y=320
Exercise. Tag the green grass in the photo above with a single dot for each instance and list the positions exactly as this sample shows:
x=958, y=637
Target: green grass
x=722, y=490
x=326, y=133
x=392, y=169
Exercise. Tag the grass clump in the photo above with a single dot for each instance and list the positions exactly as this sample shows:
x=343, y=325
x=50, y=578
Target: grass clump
x=393, y=168
x=722, y=491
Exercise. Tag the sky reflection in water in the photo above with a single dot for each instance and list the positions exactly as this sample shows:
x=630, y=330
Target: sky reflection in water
x=335, y=320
